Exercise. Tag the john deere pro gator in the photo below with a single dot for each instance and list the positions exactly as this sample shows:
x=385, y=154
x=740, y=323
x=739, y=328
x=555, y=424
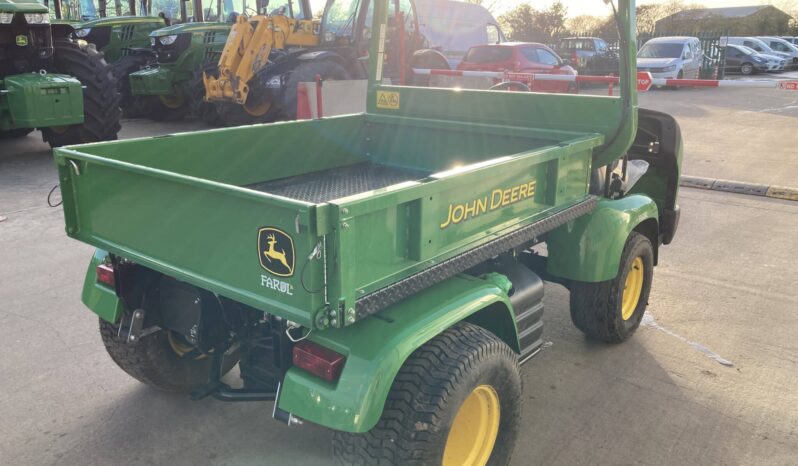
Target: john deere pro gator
x=380, y=274
x=51, y=81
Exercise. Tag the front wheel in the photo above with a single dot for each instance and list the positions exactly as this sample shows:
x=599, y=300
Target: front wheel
x=161, y=360
x=456, y=401
x=611, y=310
x=747, y=69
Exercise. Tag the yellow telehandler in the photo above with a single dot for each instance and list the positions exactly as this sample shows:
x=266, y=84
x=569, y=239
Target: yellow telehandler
x=268, y=54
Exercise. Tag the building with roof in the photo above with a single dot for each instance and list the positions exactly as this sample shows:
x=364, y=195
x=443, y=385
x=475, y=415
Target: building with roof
x=738, y=21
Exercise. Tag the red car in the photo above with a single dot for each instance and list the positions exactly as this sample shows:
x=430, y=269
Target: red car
x=521, y=57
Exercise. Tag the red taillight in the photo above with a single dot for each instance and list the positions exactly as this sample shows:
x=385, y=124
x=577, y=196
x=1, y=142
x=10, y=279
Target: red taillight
x=105, y=275
x=318, y=360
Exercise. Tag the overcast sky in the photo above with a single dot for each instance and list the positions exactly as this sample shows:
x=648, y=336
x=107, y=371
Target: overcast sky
x=598, y=8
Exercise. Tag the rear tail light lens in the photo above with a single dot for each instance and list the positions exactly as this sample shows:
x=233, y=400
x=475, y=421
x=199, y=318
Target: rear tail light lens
x=105, y=275
x=318, y=360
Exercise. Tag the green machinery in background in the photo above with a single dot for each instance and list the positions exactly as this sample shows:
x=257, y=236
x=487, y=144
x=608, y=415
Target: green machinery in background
x=173, y=87
x=52, y=82
x=379, y=274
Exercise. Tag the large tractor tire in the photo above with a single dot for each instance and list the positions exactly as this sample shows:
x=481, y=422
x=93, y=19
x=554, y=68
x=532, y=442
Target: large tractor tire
x=158, y=360
x=101, y=110
x=328, y=70
x=166, y=107
x=611, y=310
x=455, y=401
x=428, y=59
x=205, y=111
x=15, y=133
x=133, y=106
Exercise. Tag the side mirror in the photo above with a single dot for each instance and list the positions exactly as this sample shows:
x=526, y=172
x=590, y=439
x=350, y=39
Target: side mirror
x=565, y=62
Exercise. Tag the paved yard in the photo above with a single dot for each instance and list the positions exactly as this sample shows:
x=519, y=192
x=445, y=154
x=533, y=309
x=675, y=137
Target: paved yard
x=709, y=379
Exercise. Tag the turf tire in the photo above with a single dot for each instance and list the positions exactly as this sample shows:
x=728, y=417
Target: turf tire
x=101, y=110
x=426, y=396
x=596, y=307
x=153, y=362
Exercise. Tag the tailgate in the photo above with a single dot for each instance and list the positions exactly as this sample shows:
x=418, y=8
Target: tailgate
x=246, y=245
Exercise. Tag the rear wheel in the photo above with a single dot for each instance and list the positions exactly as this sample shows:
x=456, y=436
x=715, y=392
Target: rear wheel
x=747, y=69
x=167, y=107
x=101, y=110
x=611, y=310
x=132, y=105
x=306, y=72
x=161, y=360
x=427, y=59
x=455, y=401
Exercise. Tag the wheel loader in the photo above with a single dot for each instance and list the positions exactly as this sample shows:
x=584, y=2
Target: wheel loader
x=267, y=55
x=52, y=81
x=379, y=274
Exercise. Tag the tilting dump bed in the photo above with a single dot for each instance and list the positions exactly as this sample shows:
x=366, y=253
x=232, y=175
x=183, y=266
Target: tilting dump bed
x=324, y=222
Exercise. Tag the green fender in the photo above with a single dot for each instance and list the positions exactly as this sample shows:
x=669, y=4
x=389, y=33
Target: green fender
x=100, y=299
x=589, y=248
x=377, y=347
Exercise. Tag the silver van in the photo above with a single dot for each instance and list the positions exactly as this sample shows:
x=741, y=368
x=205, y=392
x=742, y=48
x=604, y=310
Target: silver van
x=672, y=57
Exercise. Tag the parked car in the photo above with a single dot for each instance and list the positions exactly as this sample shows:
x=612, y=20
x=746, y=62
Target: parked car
x=781, y=45
x=741, y=59
x=791, y=39
x=589, y=55
x=452, y=27
x=521, y=57
x=672, y=57
x=759, y=45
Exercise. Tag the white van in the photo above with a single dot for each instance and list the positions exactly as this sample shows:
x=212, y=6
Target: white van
x=453, y=27
x=672, y=57
x=760, y=46
x=781, y=45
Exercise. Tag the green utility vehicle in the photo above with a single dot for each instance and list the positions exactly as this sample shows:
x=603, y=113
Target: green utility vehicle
x=174, y=87
x=50, y=81
x=379, y=274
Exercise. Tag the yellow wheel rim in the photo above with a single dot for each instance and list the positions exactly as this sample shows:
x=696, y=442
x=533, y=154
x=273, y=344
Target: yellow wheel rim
x=632, y=288
x=172, y=101
x=259, y=109
x=474, y=430
x=179, y=347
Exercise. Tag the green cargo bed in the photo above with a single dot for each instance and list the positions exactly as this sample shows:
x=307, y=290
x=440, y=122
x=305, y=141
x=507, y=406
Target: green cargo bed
x=357, y=205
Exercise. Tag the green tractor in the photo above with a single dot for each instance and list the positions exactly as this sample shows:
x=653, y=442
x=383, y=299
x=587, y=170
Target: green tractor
x=51, y=81
x=173, y=88
x=124, y=41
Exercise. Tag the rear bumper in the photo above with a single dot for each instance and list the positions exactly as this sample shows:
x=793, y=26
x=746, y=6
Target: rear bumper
x=40, y=100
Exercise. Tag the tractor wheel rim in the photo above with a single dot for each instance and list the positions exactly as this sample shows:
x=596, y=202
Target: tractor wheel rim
x=172, y=101
x=632, y=288
x=474, y=430
x=258, y=109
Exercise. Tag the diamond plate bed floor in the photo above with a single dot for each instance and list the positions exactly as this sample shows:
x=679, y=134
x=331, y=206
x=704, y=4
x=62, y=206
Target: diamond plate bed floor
x=326, y=185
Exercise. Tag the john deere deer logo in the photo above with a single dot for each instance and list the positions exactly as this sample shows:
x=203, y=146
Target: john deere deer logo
x=276, y=251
